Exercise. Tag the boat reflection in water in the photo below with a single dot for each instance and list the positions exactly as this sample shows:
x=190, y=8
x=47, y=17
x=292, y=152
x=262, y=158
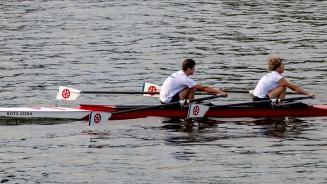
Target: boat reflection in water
x=209, y=130
x=11, y=121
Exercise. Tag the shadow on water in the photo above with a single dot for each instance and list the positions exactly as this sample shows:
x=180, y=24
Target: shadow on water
x=281, y=127
x=207, y=133
x=214, y=130
x=220, y=134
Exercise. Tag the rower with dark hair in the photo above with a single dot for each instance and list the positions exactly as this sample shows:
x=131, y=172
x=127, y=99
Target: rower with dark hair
x=274, y=84
x=179, y=85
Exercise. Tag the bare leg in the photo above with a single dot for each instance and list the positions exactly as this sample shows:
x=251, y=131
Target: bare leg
x=278, y=92
x=187, y=93
x=282, y=94
x=191, y=94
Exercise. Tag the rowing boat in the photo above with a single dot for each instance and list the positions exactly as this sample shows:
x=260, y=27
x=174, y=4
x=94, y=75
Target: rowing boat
x=294, y=110
x=120, y=112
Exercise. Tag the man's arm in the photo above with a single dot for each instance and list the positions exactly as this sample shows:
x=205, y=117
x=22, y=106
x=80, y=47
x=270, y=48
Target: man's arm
x=208, y=89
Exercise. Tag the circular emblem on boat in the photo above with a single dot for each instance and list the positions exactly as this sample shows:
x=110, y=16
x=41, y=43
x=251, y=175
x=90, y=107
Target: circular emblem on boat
x=196, y=110
x=97, y=118
x=65, y=93
x=152, y=89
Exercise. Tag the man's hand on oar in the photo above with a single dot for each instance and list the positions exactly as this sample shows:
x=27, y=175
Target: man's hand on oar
x=150, y=87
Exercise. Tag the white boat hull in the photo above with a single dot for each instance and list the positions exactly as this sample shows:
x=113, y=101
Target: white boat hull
x=44, y=112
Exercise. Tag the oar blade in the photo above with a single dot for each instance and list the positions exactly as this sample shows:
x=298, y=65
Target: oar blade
x=197, y=110
x=99, y=118
x=151, y=88
x=66, y=93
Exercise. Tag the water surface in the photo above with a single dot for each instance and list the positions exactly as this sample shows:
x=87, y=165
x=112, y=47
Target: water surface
x=118, y=45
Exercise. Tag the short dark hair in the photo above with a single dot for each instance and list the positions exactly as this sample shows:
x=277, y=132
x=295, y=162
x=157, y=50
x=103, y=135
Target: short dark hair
x=188, y=63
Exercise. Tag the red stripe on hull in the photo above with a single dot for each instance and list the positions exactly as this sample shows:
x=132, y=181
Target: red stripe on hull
x=226, y=112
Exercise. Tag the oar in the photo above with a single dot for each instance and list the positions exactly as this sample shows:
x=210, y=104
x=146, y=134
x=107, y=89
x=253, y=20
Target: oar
x=67, y=93
x=150, y=87
x=297, y=98
x=169, y=104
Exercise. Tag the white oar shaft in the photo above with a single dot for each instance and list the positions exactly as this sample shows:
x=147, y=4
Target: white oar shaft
x=67, y=93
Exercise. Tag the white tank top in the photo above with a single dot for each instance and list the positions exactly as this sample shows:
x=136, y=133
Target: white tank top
x=174, y=84
x=266, y=84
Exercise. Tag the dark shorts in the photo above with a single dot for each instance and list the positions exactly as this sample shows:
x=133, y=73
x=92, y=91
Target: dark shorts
x=265, y=104
x=255, y=99
x=174, y=99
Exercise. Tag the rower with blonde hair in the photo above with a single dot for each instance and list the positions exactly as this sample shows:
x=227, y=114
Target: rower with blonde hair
x=274, y=84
